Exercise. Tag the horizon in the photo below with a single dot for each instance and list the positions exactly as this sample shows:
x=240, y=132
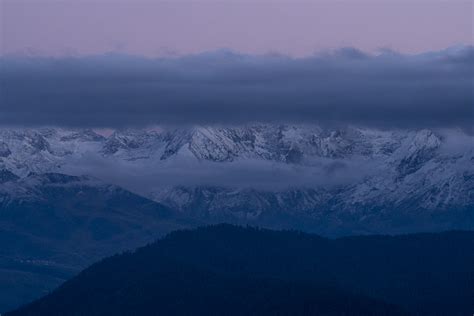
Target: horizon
x=297, y=29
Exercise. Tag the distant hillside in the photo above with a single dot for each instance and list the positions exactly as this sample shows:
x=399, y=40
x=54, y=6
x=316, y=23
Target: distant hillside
x=229, y=270
x=53, y=225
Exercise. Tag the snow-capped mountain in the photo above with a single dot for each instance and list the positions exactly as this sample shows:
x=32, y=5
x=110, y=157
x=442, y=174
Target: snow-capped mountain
x=26, y=150
x=320, y=172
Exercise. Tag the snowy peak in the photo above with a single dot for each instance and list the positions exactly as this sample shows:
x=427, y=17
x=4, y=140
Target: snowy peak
x=86, y=135
x=45, y=149
x=4, y=150
x=421, y=149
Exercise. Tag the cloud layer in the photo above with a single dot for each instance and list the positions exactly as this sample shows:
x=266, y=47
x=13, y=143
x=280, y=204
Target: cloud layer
x=341, y=87
x=147, y=177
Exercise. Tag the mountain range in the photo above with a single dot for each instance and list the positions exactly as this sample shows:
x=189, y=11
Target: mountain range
x=346, y=180
x=69, y=197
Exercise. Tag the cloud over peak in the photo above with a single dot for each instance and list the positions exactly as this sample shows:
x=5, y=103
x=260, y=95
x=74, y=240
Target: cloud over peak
x=345, y=86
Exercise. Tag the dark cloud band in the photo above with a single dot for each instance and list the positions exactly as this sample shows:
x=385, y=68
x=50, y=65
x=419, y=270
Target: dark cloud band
x=343, y=87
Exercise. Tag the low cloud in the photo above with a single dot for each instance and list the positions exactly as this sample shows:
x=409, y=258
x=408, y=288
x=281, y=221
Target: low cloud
x=144, y=177
x=345, y=87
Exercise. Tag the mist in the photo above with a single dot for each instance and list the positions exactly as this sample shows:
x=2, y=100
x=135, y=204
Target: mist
x=144, y=177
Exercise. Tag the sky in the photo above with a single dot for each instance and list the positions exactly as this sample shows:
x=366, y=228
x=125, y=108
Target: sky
x=296, y=28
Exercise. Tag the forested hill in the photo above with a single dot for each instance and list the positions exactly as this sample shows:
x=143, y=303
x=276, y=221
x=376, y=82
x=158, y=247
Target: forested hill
x=232, y=270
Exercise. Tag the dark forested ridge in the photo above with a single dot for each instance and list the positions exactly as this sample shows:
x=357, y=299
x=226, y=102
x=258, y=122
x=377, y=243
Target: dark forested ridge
x=230, y=270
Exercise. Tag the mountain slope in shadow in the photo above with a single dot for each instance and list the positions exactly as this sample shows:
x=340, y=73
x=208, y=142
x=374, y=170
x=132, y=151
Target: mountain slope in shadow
x=54, y=225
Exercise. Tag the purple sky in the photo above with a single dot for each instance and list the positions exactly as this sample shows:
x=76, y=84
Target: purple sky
x=296, y=28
